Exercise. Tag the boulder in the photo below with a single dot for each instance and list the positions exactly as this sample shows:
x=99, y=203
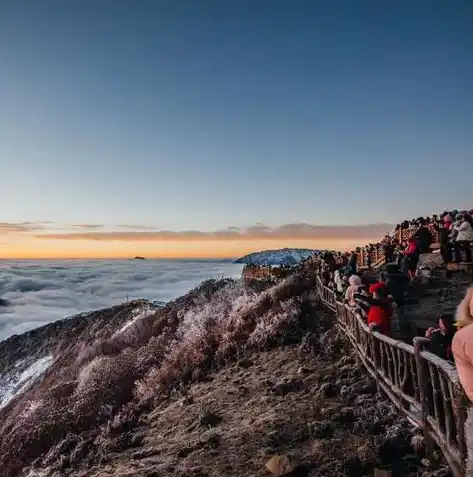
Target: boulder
x=287, y=386
x=209, y=419
x=280, y=465
x=382, y=473
x=430, y=261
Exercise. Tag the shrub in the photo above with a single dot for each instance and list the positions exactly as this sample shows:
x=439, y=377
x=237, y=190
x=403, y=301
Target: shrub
x=114, y=379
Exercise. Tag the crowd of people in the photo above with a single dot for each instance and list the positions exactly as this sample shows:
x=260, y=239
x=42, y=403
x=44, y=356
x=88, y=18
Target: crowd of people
x=452, y=229
x=378, y=301
x=375, y=301
x=452, y=337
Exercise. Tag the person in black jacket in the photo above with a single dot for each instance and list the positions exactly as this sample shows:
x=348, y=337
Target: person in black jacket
x=352, y=262
x=388, y=249
x=423, y=237
x=445, y=244
x=363, y=299
x=397, y=284
x=329, y=260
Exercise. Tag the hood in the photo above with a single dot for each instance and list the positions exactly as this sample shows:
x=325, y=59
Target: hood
x=355, y=280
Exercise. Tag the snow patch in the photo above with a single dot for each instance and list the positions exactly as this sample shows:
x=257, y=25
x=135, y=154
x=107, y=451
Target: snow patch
x=15, y=385
x=137, y=314
x=284, y=256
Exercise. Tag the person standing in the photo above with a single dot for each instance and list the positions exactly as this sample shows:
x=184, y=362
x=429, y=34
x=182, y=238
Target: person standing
x=352, y=262
x=388, y=249
x=463, y=239
x=411, y=258
x=444, y=230
x=423, y=237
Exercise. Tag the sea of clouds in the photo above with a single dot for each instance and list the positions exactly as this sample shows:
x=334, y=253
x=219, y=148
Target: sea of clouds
x=39, y=292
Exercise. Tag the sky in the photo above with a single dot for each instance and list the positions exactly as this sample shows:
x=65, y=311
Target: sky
x=208, y=128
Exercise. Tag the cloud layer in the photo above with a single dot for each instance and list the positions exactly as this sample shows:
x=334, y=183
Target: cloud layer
x=20, y=227
x=40, y=292
x=256, y=232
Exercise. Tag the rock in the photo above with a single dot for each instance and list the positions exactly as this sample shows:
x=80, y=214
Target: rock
x=382, y=473
x=144, y=453
x=346, y=414
x=302, y=370
x=64, y=462
x=209, y=419
x=318, y=449
x=287, y=386
x=353, y=466
x=135, y=440
x=430, y=260
x=185, y=451
x=280, y=465
x=417, y=443
x=362, y=399
x=364, y=388
x=346, y=370
x=425, y=463
x=211, y=440
x=343, y=361
x=328, y=390
x=245, y=363
x=270, y=439
x=321, y=429
x=197, y=375
x=186, y=401
x=345, y=393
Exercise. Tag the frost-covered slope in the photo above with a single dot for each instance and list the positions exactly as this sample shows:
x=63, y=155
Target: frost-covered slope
x=283, y=256
x=16, y=383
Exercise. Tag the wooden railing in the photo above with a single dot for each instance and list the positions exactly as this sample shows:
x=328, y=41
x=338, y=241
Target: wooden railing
x=425, y=387
x=377, y=257
x=265, y=273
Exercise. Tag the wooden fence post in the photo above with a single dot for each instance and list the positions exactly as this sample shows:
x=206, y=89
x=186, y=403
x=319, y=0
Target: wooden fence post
x=373, y=351
x=418, y=343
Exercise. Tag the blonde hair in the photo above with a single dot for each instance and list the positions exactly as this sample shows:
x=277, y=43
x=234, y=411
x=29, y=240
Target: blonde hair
x=463, y=315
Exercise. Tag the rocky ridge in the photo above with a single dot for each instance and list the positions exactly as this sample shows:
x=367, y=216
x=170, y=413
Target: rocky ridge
x=284, y=256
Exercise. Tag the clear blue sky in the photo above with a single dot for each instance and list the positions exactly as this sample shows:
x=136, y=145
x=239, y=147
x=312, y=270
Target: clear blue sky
x=200, y=115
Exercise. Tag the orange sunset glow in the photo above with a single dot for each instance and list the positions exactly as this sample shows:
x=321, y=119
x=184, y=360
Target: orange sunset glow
x=27, y=241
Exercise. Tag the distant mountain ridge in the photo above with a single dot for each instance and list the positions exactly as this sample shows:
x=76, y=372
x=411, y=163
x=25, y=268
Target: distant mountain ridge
x=283, y=256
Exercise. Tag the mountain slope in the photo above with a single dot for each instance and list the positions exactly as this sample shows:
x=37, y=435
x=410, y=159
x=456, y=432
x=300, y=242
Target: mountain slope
x=278, y=380
x=283, y=256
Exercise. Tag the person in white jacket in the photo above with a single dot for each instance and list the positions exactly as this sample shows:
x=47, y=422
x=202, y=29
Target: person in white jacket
x=464, y=237
x=338, y=279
